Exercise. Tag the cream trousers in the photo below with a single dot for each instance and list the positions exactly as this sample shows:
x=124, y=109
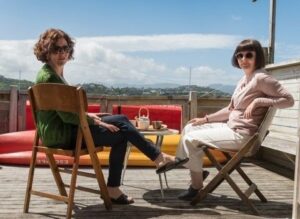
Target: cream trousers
x=217, y=135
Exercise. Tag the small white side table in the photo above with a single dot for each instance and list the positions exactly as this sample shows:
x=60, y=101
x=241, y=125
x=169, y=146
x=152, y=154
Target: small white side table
x=159, y=140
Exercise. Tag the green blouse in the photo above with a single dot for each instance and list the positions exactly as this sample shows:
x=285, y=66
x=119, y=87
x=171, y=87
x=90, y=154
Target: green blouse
x=55, y=128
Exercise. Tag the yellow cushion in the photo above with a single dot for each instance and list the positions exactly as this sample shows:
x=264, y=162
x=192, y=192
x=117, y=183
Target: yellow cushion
x=169, y=145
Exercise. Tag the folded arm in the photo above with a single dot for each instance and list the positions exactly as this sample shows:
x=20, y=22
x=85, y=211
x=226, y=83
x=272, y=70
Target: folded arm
x=277, y=95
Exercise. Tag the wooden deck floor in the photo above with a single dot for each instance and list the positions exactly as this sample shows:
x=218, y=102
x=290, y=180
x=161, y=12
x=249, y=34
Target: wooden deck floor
x=143, y=185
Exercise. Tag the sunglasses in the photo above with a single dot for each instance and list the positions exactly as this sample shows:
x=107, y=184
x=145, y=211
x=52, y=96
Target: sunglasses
x=60, y=49
x=246, y=55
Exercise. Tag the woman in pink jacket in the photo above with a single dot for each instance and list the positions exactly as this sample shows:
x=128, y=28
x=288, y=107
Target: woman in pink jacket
x=232, y=126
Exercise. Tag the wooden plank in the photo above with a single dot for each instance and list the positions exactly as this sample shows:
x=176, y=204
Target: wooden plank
x=4, y=105
x=285, y=73
x=22, y=112
x=283, y=65
x=13, y=109
x=4, y=118
x=287, y=113
x=143, y=185
x=4, y=95
x=193, y=105
x=283, y=136
x=185, y=115
x=291, y=86
x=287, y=122
x=280, y=145
x=213, y=102
x=284, y=129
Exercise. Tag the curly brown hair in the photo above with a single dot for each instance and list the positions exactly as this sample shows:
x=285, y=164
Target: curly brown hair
x=250, y=45
x=47, y=42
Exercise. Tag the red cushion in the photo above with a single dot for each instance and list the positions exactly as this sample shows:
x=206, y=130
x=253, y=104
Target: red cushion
x=169, y=114
x=29, y=119
x=94, y=108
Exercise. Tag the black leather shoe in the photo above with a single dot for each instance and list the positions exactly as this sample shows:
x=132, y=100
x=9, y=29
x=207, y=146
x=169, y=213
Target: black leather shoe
x=205, y=174
x=191, y=192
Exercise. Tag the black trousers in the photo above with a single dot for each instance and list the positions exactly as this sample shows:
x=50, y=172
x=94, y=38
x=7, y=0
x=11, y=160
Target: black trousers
x=118, y=143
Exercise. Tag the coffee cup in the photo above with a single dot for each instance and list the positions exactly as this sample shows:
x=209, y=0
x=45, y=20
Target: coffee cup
x=156, y=124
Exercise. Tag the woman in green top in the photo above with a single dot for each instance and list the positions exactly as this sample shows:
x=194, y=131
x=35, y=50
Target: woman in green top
x=55, y=48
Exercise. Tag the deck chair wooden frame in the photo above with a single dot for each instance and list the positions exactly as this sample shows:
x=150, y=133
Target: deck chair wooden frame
x=234, y=159
x=296, y=202
x=70, y=99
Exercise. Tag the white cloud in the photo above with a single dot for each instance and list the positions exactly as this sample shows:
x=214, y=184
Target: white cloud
x=97, y=64
x=109, y=60
x=163, y=42
x=17, y=56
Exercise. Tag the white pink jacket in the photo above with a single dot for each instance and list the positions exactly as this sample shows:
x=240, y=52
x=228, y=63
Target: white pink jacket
x=261, y=88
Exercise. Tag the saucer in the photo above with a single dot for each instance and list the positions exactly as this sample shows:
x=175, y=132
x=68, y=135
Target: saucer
x=150, y=128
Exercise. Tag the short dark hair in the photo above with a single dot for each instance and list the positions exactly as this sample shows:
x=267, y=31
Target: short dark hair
x=48, y=40
x=250, y=45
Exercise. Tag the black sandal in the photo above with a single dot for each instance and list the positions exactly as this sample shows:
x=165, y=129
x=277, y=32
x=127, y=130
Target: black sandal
x=172, y=164
x=122, y=200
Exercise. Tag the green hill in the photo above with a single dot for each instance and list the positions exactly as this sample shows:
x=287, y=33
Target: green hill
x=94, y=88
x=5, y=83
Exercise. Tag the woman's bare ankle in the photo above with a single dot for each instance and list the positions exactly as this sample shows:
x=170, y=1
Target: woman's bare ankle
x=114, y=192
x=196, y=180
x=163, y=158
x=159, y=160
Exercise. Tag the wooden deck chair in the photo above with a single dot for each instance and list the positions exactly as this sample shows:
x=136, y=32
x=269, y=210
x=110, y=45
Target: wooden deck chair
x=71, y=99
x=234, y=159
x=296, y=202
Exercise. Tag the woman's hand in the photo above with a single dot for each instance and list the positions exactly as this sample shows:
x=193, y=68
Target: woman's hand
x=97, y=115
x=197, y=121
x=93, y=116
x=249, y=110
x=110, y=127
x=97, y=121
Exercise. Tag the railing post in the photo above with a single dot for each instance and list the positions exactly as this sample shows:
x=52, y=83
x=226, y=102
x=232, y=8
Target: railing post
x=185, y=114
x=193, y=104
x=109, y=106
x=103, y=105
x=13, y=109
x=22, y=98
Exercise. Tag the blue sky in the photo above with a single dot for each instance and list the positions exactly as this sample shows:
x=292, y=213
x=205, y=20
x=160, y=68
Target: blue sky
x=145, y=41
